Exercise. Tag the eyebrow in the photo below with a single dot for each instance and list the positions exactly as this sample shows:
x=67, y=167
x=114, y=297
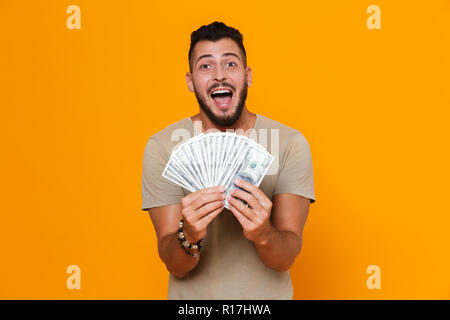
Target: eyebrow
x=224, y=55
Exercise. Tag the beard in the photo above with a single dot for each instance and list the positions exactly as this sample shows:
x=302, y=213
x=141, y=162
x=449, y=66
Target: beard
x=225, y=120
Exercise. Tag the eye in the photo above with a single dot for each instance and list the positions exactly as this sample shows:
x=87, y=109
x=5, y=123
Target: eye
x=232, y=64
x=204, y=66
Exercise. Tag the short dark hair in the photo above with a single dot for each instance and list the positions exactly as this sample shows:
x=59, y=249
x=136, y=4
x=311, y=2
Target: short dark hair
x=213, y=32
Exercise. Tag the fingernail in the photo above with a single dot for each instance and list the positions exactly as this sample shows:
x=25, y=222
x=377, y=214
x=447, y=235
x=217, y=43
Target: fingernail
x=221, y=188
x=236, y=181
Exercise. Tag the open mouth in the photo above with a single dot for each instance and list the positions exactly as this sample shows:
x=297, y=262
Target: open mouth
x=222, y=97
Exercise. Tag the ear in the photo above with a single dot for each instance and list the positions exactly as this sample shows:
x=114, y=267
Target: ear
x=248, y=76
x=189, y=82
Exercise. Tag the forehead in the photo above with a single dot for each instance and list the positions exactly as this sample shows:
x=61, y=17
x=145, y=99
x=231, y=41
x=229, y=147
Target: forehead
x=216, y=48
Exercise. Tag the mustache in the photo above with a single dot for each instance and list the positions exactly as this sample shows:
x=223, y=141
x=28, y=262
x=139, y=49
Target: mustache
x=223, y=84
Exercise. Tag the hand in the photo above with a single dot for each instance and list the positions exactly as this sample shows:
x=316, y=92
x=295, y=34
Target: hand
x=198, y=209
x=254, y=218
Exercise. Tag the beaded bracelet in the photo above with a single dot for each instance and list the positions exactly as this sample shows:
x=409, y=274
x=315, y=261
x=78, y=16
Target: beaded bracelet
x=185, y=244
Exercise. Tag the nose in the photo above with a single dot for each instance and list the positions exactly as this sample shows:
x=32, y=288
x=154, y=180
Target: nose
x=220, y=74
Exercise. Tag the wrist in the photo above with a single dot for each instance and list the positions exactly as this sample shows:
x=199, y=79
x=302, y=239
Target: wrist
x=264, y=237
x=189, y=253
x=187, y=236
x=191, y=248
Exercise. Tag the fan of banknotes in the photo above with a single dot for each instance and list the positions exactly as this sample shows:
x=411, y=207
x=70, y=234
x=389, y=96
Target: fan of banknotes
x=217, y=158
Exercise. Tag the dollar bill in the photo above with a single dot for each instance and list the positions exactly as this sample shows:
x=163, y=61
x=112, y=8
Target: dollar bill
x=252, y=169
x=217, y=159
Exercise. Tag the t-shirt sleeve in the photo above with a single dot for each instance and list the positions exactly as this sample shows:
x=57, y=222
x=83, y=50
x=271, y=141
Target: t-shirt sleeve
x=296, y=174
x=156, y=190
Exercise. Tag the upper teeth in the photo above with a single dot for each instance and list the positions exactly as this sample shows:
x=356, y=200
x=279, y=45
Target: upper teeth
x=222, y=91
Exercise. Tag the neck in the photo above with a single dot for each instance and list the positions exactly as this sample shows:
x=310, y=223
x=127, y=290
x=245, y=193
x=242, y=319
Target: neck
x=245, y=122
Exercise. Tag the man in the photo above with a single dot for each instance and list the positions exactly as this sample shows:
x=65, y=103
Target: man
x=248, y=250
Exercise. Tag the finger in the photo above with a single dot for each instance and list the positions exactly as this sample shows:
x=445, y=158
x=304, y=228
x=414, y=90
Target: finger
x=208, y=208
x=206, y=220
x=203, y=199
x=255, y=191
x=194, y=195
x=247, y=197
x=243, y=220
x=243, y=209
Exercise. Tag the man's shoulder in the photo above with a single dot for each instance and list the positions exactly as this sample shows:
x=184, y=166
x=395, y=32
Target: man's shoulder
x=178, y=128
x=284, y=130
x=168, y=137
x=286, y=136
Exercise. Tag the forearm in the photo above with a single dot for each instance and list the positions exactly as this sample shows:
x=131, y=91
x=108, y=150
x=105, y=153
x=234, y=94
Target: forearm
x=279, y=249
x=175, y=258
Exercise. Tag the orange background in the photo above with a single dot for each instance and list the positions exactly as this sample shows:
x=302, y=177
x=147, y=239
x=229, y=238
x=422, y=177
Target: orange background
x=78, y=107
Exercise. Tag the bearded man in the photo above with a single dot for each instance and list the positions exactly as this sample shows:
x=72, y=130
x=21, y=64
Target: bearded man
x=248, y=249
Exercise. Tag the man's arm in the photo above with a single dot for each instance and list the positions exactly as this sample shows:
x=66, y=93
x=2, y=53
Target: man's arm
x=284, y=243
x=197, y=209
x=165, y=220
x=276, y=228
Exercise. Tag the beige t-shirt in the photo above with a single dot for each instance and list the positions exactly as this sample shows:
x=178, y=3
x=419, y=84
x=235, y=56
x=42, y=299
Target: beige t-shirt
x=229, y=266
